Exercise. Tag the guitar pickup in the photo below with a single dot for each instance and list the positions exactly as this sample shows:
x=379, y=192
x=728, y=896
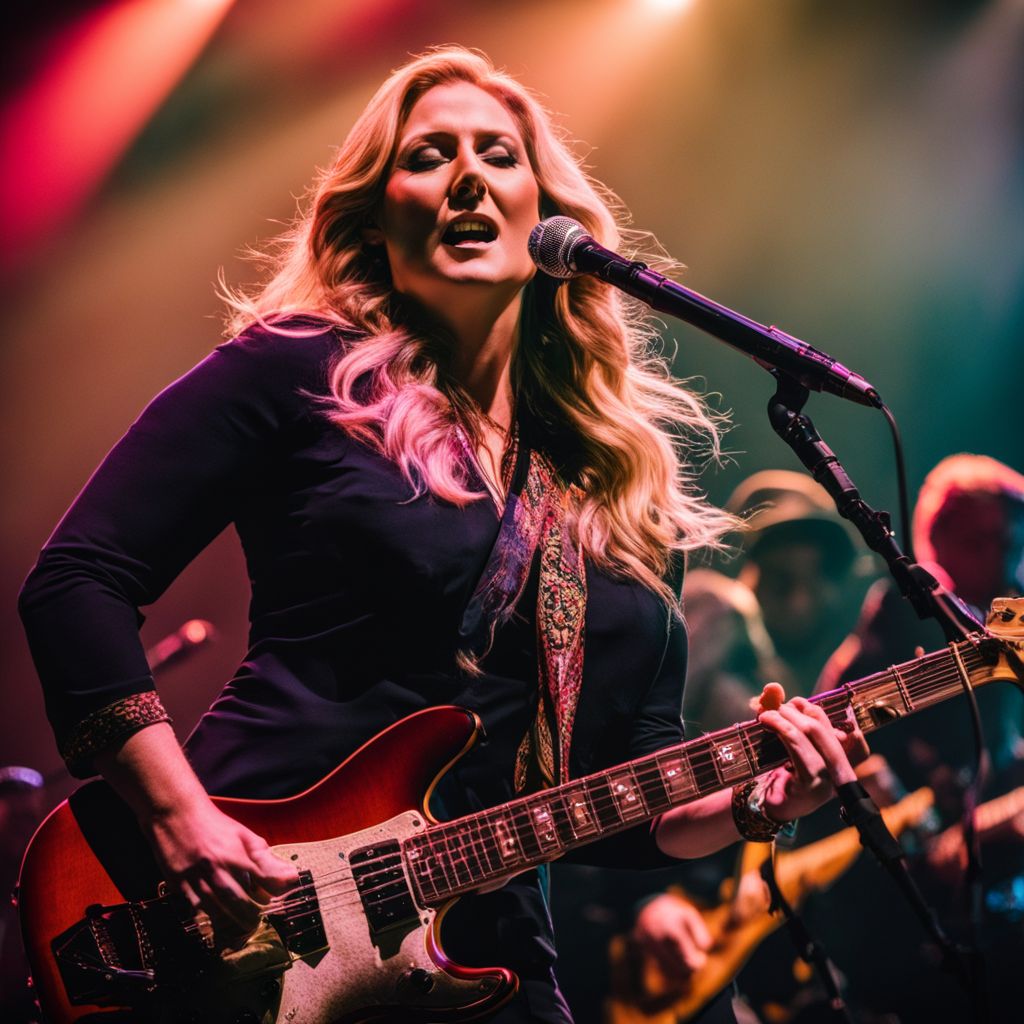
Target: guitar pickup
x=383, y=889
x=301, y=927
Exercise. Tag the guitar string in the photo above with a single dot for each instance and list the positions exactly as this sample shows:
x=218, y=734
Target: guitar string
x=833, y=702
x=482, y=849
x=922, y=687
x=920, y=678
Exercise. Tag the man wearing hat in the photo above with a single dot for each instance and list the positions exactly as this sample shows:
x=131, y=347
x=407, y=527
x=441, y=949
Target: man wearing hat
x=798, y=584
x=793, y=597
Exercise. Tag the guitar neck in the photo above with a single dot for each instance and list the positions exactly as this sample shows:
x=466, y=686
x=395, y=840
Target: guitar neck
x=468, y=853
x=996, y=812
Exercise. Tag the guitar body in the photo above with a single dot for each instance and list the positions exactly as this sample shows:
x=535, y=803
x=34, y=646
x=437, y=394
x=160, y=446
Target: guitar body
x=350, y=959
x=358, y=939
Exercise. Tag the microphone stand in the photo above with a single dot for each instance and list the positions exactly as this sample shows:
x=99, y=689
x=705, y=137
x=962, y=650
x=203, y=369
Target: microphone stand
x=929, y=600
x=809, y=949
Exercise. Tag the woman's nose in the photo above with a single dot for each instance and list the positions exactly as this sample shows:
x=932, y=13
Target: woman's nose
x=469, y=188
x=469, y=185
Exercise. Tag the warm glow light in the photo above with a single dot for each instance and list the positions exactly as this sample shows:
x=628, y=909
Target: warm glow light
x=104, y=77
x=668, y=6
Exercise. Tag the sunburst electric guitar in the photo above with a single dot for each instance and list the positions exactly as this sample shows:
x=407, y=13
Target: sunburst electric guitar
x=359, y=938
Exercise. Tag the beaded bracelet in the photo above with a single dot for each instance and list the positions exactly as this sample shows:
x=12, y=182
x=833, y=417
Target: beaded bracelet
x=748, y=813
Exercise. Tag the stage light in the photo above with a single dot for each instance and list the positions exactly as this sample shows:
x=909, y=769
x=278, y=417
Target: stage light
x=668, y=6
x=102, y=77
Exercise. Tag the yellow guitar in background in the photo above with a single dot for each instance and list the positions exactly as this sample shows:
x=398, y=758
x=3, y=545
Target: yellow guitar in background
x=640, y=991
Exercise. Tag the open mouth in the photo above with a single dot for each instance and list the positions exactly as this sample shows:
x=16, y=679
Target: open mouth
x=464, y=232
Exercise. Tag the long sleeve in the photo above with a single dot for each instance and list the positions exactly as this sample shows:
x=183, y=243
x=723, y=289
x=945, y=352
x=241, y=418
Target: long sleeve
x=168, y=487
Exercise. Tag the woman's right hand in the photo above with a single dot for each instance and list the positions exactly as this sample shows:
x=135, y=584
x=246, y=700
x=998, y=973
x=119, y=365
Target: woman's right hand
x=218, y=864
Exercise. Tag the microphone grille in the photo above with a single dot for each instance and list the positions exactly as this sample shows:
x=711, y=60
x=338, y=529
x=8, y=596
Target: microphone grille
x=551, y=244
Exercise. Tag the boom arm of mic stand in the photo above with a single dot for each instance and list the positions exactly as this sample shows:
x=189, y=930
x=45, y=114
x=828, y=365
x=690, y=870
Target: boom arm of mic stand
x=929, y=600
x=918, y=586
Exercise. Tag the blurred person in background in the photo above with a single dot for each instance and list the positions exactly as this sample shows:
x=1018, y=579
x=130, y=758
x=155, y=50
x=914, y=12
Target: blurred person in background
x=799, y=575
x=968, y=531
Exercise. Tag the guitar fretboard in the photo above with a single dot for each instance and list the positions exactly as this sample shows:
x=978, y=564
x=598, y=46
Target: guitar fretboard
x=468, y=853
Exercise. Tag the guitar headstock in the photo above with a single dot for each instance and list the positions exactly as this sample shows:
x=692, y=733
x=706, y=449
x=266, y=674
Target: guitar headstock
x=1006, y=621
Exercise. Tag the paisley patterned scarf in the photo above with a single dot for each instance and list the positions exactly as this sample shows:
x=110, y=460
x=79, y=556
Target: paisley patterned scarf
x=536, y=517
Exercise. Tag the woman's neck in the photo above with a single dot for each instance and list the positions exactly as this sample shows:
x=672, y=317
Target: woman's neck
x=482, y=361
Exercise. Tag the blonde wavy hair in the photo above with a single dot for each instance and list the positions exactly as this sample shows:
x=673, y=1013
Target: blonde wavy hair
x=586, y=364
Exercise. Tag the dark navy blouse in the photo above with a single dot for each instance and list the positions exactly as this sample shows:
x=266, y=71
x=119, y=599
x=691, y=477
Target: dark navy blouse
x=358, y=590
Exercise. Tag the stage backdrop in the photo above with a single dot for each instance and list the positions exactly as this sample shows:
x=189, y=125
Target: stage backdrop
x=851, y=172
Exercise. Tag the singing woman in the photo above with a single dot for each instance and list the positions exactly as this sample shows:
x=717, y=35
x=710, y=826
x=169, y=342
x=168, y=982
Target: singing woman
x=402, y=379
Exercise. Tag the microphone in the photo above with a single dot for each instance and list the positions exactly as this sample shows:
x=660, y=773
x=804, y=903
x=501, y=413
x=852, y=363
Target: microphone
x=180, y=644
x=561, y=247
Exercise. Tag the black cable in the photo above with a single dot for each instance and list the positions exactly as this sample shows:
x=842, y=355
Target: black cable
x=901, y=480
x=973, y=788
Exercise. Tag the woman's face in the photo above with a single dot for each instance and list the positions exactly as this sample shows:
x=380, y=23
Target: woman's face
x=461, y=199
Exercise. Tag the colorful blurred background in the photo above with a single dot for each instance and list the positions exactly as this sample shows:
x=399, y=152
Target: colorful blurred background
x=851, y=171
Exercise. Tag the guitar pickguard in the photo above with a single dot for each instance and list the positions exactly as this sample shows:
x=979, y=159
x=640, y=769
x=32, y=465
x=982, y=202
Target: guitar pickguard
x=382, y=948
x=350, y=943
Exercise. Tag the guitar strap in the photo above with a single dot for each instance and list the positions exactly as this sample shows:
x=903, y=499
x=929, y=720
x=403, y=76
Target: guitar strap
x=535, y=518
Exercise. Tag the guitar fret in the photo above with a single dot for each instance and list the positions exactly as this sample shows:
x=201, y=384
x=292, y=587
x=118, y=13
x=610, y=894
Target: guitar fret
x=603, y=803
x=901, y=686
x=488, y=843
x=676, y=775
x=478, y=846
x=729, y=756
x=444, y=859
x=749, y=750
x=543, y=824
x=451, y=855
x=420, y=855
x=579, y=812
x=629, y=800
x=523, y=824
x=704, y=768
x=652, y=787
x=507, y=840
x=464, y=856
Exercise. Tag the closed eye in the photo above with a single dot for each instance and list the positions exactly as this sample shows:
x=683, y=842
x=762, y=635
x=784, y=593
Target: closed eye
x=501, y=159
x=422, y=159
x=427, y=157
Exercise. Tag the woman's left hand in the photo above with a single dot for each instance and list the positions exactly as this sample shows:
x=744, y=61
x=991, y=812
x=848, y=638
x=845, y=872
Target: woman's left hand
x=820, y=754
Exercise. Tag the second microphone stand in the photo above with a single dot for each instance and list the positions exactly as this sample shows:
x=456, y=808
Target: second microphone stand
x=929, y=600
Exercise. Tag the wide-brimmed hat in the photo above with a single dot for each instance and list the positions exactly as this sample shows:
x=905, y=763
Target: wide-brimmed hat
x=780, y=506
